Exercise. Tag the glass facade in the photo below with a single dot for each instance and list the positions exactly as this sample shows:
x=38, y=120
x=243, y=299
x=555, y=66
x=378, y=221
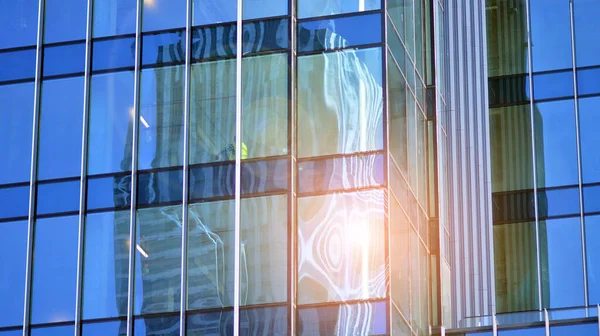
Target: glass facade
x=151, y=192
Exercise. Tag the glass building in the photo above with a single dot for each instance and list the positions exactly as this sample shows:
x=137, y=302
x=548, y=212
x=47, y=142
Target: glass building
x=209, y=167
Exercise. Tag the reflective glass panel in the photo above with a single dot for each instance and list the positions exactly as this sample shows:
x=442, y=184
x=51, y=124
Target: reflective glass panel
x=399, y=257
x=54, y=270
x=110, y=123
x=340, y=247
x=13, y=257
x=556, y=150
x=59, y=148
x=210, y=323
x=214, y=42
x=160, y=187
x=254, y=9
x=17, y=65
x=161, y=118
x=553, y=85
x=160, y=325
x=340, y=102
x=113, y=54
x=15, y=202
x=16, y=108
x=13, y=332
x=587, y=41
x=64, y=20
x=163, y=14
x=368, y=318
x=592, y=237
x=339, y=33
x=18, y=22
x=574, y=329
x=268, y=320
x=113, y=17
x=550, y=34
x=311, y=8
x=591, y=198
x=64, y=59
x=109, y=192
x=105, y=265
x=558, y=202
x=158, y=263
x=104, y=328
x=213, y=11
x=397, y=116
x=67, y=330
x=57, y=197
x=561, y=268
x=523, y=332
x=165, y=48
x=589, y=122
x=587, y=81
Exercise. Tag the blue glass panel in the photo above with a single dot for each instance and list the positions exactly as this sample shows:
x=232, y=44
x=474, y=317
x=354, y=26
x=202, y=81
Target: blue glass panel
x=254, y=9
x=59, y=149
x=163, y=14
x=213, y=11
x=15, y=132
x=591, y=198
x=592, y=237
x=312, y=8
x=587, y=25
x=212, y=323
x=269, y=321
x=589, y=122
x=64, y=59
x=13, y=255
x=540, y=331
x=12, y=332
x=57, y=197
x=553, y=85
x=109, y=192
x=64, y=20
x=110, y=123
x=587, y=81
x=340, y=173
x=67, y=330
x=160, y=187
x=15, y=202
x=104, y=328
x=212, y=42
x=113, y=17
x=574, y=329
x=368, y=318
x=265, y=35
x=161, y=325
x=212, y=181
x=17, y=65
x=550, y=34
x=338, y=33
x=54, y=270
x=113, y=54
x=558, y=202
x=105, y=265
x=163, y=48
x=18, y=23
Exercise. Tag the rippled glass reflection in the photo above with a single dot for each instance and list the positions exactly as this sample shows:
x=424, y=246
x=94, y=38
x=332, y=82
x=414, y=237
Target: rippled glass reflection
x=368, y=318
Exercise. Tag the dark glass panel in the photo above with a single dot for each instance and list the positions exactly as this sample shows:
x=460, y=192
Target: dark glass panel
x=16, y=108
x=160, y=187
x=211, y=323
x=105, y=265
x=587, y=81
x=558, y=202
x=113, y=17
x=113, y=54
x=340, y=247
x=367, y=318
x=514, y=90
x=550, y=35
x=54, y=270
x=64, y=20
x=161, y=118
x=57, y=197
x=515, y=263
x=592, y=237
x=163, y=14
x=59, y=148
x=212, y=181
x=158, y=265
x=64, y=59
x=160, y=325
x=589, y=122
x=587, y=25
x=18, y=22
x=66, y=330
x=265, y=35
x=312, y=8
x=561, y=264
x=340, y=102
x=553, y=85
x=162, y=48
x=264, y=321
x=13, y=257
x=214, y=42
x=104, y=328
x=339, y=33
x=514, y=206
x=15, y=202
x=574, y=329
x=108, y=192
x=110, y=123
x=17, y=65
x=349, y=172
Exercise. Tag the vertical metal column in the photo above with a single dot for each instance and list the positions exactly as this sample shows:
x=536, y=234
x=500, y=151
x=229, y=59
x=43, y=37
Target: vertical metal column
x=186, y=156
x=83, y=172
x=546, y=322
x=134, y=165
x=238, y=170
x=292, y=227
x=494, y=325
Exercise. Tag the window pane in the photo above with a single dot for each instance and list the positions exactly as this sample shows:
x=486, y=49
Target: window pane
x=589, y=122
x=13, y=257
x=311, y=8
x=574, y=329
x=338, y=33
x=104, y=328
x=54, y=270
x=16, y=108
x=591, y=198
x=160, y=325
x=550, y=34
x=113, y=54
x=368, y=318
x=13, y=332
x=109, y=192
x=553, y=85
x=163, y=14
x=53, y=331
x=59, y=149
x=213, y=11
x=158, y=261
x=64, y=59
x=163, y=48
x=213, y=42
x=587, y=40
x=110, y=123
x=105, y=265
x=15, y=202
x=587, y=81
x=17, y=65
x=339, y=103
x=261, y=321
x=57, y=197
x=161, y=118
x=210, y=323
x=523, y=332
x=558, y=202
x=64, y=20
x=560, y=256
x=340, y=247
x=399, y=257
x=160, y=187
x=592, y=237
x=397, y=115
x=113, y=17
x=265, y=35
x=18, y=22
x=254, y=9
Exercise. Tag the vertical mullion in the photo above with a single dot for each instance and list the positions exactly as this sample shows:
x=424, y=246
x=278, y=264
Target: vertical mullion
x=134, y=164
x=186, y=152
x=83, y=173
x=33, y=167
x=291, y=234
x=386, y=162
